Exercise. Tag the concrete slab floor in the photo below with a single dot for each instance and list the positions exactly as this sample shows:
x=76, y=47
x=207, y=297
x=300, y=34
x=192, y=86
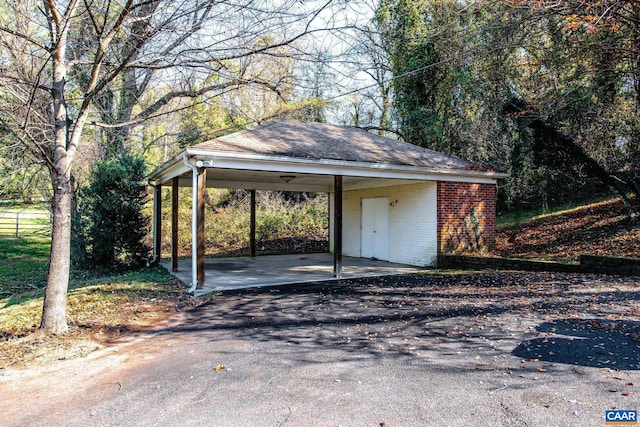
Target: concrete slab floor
x=223, y=274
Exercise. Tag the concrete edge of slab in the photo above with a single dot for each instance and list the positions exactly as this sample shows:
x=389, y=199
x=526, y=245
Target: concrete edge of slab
x=222, y=290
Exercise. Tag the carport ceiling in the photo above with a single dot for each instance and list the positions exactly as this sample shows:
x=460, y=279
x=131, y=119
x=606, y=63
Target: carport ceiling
x=285, y=181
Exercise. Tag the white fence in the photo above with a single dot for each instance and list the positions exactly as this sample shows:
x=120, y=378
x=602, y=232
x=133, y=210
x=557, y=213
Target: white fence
x=16, y=222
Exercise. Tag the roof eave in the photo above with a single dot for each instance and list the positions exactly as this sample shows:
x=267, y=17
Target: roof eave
x=168, y=170
x=261, y=162
x=219, y=157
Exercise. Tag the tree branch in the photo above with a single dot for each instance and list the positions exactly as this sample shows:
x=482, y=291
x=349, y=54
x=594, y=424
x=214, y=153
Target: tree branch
x=24, y=37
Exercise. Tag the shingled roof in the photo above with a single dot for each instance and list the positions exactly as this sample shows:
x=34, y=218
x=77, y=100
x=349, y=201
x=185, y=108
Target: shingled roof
x=315, y=153
x=321, y=141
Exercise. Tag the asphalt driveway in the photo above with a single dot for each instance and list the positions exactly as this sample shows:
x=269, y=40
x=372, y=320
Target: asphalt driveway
x=512, y=349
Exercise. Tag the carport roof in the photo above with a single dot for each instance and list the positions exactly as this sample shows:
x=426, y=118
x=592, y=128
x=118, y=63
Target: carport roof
x=293, y=146
x=321, y=141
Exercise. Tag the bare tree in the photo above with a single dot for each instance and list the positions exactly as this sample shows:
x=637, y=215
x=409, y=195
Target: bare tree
x=362, y=63
x=372, y=105
x=74, y=65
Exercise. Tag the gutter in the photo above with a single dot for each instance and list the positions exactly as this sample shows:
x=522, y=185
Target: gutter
x=209, y=158
x=277, y=163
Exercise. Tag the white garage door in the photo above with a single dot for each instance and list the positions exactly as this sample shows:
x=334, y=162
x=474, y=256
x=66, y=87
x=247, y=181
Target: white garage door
x=375, y=228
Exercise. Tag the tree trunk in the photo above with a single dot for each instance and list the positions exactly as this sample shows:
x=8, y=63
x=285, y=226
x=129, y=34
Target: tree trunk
x=54, y=311
x=551, y=140
x=548, y=136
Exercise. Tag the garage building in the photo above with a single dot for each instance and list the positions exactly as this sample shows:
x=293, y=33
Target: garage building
x=389, y=200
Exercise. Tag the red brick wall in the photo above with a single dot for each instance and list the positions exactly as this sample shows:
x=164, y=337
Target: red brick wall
x=466, y=217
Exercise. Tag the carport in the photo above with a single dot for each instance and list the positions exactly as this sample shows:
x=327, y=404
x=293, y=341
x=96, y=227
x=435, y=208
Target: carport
x=390, y=188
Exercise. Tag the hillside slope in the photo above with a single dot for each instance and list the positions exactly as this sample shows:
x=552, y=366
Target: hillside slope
x=597, y=229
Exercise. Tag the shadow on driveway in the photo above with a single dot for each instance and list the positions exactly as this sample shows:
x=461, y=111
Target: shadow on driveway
x=595, y=343
x=426, y=318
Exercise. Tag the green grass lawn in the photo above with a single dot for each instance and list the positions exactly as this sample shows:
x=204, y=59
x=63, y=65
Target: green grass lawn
x=23, y=264
x=96, y=300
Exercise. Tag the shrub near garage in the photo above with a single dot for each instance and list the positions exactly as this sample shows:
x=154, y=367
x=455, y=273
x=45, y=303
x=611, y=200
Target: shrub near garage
x=111, y=227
